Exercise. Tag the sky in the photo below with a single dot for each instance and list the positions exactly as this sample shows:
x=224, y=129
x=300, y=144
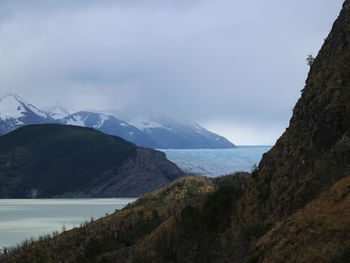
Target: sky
x=236, y=67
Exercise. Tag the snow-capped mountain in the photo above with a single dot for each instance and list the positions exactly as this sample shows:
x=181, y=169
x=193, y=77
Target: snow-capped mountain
x=110, y=125
x=153, y=130
x=168, y=133
x=16, y=112
x=57, y=111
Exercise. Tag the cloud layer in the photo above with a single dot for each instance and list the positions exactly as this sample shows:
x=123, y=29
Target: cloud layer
x=233, y=65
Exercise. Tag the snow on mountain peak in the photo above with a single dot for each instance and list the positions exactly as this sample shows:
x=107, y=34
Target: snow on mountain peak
x=13, y=96
x=57, y=111
x=82, y=118
x=11, y=107
x=101, y=121
x=76, y=120
x=143, y=123
x=144, y=129
x=37, y=111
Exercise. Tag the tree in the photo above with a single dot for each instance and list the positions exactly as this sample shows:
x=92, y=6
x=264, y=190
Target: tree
x=254, y=170
x=310, y=60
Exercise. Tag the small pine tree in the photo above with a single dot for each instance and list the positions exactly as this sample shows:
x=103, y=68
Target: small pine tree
x=310, y=60
x=64, y=229
x=254, y=170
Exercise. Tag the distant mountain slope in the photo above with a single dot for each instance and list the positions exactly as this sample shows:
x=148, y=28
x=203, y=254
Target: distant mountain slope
x=16, y=112
x=169, y=133
x=110, y=125
x=56, y=111
x=157, y=132
x=56, y=160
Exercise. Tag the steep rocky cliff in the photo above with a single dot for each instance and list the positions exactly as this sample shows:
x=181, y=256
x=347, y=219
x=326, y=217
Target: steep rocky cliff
x=314, y=151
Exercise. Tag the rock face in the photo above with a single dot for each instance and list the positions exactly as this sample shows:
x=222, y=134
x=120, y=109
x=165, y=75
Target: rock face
x=144, y=172
x=314, y=152
x=52, y=160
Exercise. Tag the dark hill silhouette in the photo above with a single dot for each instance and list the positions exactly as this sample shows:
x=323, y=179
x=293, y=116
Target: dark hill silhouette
x=51, y=160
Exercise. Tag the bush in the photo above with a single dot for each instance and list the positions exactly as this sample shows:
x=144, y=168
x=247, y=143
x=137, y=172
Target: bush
x=256, y=230
x=255, y=257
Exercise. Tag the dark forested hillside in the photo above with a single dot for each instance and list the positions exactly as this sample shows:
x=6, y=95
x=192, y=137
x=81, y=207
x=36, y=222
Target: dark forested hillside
x=56, y=160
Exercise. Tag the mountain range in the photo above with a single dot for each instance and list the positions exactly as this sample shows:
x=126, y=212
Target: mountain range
x=294, y=207
x=158, y=131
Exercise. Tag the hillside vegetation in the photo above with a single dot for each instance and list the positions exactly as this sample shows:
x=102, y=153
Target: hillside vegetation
x=317, y=233
x=119, y=235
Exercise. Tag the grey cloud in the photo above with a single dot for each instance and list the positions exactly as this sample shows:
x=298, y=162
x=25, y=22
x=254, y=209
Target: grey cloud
x=207, y=60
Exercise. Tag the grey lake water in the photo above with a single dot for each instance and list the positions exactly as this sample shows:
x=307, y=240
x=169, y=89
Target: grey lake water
x=216, y=162
x=21, y=219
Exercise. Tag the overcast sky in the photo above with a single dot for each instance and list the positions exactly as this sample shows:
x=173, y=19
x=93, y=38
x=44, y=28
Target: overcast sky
x=235, y=66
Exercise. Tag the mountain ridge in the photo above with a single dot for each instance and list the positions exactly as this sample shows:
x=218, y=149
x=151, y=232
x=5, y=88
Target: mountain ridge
x=110, y=125
x=168, y=133
x=15, y=112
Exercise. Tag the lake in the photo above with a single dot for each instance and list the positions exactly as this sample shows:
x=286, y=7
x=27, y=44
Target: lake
x=216, y=162
x=21, y=219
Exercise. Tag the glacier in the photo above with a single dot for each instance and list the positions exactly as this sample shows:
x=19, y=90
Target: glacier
x=216, y=162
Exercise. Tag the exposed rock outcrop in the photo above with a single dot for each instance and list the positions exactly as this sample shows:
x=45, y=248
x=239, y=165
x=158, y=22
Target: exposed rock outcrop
x=141, y=173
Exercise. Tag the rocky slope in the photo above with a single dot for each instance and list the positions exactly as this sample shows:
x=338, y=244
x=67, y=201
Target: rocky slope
x=52, y=160
x=314, y=151
x=293, y=208
x=317, y=233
